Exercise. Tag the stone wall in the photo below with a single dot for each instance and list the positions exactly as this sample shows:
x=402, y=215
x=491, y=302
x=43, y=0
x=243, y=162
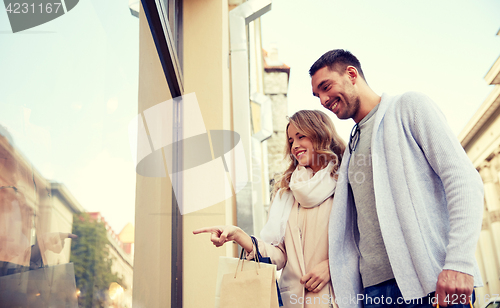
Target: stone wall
x=276, y=88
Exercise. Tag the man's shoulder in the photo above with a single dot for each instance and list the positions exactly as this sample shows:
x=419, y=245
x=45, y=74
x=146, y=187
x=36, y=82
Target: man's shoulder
x=411, y=101
x=408, y=107
x=412, y=96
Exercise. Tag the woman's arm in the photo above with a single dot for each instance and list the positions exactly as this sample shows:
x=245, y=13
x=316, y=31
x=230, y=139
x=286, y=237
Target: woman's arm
x=224, y=234
x=276, y=253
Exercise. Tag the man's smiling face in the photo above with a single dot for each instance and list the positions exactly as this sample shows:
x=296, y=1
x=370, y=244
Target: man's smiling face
x=336, y=92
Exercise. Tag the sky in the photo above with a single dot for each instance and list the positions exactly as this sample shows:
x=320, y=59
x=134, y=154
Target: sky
x=69, y=88
x=442, y=48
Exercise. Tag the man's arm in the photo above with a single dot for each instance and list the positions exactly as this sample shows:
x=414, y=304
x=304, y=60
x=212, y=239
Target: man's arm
x=464, y=195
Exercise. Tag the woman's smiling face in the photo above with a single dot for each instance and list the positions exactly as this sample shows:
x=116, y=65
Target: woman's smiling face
x=302, y=149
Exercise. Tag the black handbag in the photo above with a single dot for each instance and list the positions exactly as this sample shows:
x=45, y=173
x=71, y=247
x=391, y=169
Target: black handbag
x=268, y=261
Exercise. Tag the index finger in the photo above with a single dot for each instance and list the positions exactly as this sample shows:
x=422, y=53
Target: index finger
x=206, y=230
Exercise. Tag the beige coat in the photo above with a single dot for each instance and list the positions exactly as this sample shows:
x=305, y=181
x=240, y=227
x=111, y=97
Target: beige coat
x=305, y=245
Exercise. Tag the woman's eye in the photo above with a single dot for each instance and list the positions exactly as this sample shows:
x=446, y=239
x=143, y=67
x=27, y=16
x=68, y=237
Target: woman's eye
x=301, y=137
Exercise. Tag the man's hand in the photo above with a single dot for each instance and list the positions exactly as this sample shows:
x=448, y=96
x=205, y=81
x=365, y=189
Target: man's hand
x=453, y=288
x=317, y=278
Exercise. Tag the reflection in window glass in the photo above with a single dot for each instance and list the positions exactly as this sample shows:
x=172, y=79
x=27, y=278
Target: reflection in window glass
x=68, y=92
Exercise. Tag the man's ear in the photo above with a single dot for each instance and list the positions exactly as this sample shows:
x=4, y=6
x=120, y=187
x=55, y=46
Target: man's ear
x=352, y=73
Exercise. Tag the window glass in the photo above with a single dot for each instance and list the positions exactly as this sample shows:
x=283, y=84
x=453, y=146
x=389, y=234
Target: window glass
x=68, y=91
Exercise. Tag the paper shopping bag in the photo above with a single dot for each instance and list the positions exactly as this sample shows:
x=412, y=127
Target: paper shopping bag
x=226, y=265
x=252, y=284
x=266, y=260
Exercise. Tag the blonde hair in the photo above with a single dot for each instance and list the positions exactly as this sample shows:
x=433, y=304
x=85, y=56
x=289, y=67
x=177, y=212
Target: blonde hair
x=319, y=128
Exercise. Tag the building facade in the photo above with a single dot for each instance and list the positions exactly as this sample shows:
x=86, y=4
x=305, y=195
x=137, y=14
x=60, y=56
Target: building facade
x=122, y=266
x=276, y=78
x=212, y=49
x=64, y=206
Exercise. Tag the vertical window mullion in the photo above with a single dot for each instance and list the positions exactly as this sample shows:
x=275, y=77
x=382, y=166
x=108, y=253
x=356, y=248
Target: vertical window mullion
x=165, y=20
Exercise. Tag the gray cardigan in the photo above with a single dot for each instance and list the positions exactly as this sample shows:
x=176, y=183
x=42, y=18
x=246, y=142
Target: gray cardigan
x=429, y=200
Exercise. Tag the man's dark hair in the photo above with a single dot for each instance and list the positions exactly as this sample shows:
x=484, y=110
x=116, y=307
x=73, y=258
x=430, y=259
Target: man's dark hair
x=336, y=60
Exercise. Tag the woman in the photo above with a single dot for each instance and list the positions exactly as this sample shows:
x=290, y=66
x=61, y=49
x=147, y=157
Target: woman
x=296, y=234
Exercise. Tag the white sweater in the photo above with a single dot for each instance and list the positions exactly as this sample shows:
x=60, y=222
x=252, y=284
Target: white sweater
x=429, y=201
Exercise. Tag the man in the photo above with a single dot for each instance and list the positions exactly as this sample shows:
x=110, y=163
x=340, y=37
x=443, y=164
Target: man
x=408, y=206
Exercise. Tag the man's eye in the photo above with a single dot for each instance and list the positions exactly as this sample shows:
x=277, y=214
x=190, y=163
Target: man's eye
x=325, y=88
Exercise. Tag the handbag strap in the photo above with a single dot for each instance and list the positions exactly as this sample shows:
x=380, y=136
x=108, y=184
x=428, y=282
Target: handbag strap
x=256, y=244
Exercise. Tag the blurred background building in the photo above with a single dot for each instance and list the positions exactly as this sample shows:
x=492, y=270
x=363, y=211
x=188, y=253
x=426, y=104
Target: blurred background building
x=276, y=77
x=121, y=254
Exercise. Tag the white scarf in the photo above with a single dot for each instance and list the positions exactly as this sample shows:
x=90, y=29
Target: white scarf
x=309, y=190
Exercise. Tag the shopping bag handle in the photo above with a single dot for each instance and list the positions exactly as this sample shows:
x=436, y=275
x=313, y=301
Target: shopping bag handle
x=257, y=266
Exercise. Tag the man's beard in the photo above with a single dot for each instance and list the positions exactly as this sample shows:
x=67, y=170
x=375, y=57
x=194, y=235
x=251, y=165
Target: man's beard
x=352, y=103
